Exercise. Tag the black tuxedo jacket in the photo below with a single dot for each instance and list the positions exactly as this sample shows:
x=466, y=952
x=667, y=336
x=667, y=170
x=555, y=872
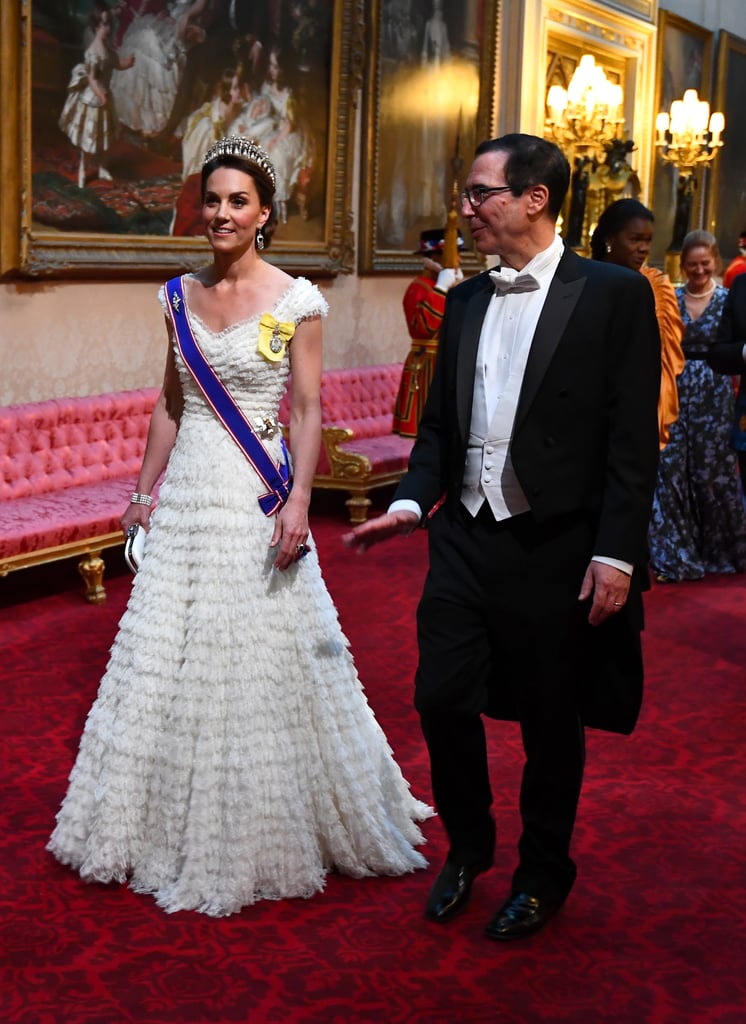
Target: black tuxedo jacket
x=585, y=437
x=726, y=352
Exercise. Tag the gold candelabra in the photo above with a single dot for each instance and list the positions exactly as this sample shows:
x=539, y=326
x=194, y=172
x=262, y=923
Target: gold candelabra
x=589, y=113
x=689, y=135
x=586, y=120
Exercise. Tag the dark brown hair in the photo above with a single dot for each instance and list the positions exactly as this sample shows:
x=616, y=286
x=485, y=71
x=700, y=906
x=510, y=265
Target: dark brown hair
x=264, y=187
x=614, y=218
x=532, y=161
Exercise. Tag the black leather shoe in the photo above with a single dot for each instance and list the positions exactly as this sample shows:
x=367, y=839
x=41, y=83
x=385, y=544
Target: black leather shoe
x=521, y=915
x=452, y=889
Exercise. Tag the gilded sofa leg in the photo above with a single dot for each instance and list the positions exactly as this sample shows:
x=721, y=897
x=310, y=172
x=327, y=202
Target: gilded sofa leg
x=358, y=505
x=91, y=568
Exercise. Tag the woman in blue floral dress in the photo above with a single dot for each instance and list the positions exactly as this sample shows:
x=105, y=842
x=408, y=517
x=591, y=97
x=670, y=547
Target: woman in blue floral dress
x=698, y=524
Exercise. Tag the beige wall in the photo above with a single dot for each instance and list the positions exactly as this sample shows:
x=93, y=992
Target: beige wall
x=81, y=338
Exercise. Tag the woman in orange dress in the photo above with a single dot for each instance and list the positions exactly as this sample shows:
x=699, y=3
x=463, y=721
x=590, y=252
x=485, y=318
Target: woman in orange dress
x=623, y=236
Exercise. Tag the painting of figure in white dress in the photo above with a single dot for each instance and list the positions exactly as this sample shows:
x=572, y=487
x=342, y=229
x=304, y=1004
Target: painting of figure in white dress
x=426, y=94
x=127, y=96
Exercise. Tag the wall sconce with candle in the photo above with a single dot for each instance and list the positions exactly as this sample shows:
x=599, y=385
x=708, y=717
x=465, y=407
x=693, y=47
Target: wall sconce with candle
x=688, y=137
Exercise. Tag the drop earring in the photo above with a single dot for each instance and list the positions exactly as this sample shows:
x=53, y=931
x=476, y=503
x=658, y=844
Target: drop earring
x=608, y=248
x=259, y=239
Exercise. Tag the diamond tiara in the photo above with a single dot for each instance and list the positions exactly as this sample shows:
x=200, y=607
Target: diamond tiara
x=248, y=149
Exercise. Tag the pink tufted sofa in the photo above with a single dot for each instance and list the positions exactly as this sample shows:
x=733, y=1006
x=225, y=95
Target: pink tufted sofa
x=359, y=451
x=67, y=467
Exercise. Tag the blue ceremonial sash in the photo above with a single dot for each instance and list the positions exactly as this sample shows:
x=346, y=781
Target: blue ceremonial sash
x=276, y=478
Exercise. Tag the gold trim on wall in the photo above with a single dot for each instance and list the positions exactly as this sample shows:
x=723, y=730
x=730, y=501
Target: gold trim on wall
x=30, y=249
x=584, y=22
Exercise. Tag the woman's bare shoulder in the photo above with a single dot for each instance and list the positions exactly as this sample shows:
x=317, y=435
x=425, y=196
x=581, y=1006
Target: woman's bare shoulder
x=275, y=280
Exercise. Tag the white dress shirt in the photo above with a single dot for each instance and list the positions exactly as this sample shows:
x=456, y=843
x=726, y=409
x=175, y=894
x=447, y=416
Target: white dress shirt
x=504, y=344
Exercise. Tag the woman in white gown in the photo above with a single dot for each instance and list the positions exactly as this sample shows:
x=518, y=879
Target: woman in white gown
x=289, y=145
x=144, y=100
x=231, y=755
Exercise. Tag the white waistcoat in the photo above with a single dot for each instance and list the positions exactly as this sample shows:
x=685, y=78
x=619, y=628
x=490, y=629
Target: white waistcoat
x=504, y=345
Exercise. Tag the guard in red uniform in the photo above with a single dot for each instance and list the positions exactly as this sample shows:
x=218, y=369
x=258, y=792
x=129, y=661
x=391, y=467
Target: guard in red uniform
x=424, y=302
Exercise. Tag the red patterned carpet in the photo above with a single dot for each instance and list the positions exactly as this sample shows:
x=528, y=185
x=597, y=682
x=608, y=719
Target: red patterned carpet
x=653, y=932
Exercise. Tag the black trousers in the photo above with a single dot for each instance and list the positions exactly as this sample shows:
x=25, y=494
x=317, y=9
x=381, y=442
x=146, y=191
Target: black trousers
x=499, y=616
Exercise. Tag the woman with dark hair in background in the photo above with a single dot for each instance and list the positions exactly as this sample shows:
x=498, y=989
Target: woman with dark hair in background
x=623, y=235
x=698, y=522
x=231, y=755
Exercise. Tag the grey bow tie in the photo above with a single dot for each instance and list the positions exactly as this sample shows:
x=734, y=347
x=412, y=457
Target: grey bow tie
x=520, y=283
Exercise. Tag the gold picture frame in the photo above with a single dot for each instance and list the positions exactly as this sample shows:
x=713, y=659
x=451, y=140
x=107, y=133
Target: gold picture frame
x=683, y=61
x=318, y=240
x=726, y=206
x=429, y=100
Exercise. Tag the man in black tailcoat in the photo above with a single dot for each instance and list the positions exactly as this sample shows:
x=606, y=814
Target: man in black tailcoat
x=533, y=470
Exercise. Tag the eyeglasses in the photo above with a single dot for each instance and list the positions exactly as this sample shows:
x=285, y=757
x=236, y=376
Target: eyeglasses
x=477, y=195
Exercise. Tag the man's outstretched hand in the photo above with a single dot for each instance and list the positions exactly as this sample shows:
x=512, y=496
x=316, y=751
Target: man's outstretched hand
x=383, y=527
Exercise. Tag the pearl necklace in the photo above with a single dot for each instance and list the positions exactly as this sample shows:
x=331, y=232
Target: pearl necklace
x=700, y=295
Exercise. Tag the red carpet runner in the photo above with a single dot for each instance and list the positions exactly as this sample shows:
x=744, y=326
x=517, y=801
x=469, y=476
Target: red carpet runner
x=653, y=932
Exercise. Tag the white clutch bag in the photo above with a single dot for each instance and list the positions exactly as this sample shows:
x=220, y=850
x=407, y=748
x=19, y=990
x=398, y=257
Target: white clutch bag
x=134, y=546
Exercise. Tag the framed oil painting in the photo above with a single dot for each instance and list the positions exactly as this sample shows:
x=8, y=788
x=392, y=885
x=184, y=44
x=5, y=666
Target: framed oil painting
x=684, y=61
x=429, y=99
x=120, y=99
x=727, y=195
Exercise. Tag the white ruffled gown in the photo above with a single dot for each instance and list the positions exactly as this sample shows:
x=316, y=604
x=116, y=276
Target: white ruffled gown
x=231, y=754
